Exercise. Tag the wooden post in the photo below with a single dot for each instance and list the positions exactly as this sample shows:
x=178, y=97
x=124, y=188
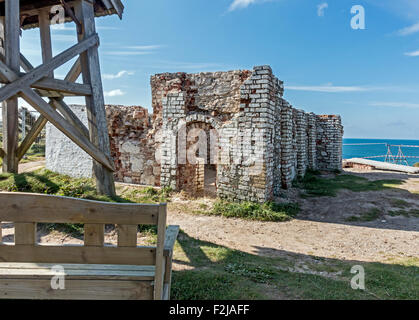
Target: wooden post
x=45, y=34
x=10, y=106
x=95, y=103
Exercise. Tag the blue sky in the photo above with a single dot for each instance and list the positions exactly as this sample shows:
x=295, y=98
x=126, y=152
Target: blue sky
x=370, y=76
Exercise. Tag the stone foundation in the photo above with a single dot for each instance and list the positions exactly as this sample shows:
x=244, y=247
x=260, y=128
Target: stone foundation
x=235, y=121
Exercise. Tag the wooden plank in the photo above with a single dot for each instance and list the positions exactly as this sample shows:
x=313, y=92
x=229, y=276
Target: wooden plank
x=167, y=278
x=98, y=126
x=127, y=235
x=62, y=86
x=76, y=290
x=78, y=254
x=161, y=231
x=69, y=266
x=40, y=72
x=106, y=272
x=45, y=34
x=94, y=234
x=60, y=123
x=171, y=236
x=166, y=292
x=26, y=207
x=31, y=136
x=25, y=233
x=68, y=114
x=10, y=106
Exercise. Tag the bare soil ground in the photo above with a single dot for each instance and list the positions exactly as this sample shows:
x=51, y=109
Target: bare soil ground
x=321, y=228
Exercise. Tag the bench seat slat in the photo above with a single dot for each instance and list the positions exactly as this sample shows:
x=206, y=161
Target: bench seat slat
x=77, y=272
x=40, y=289
x=78, y=254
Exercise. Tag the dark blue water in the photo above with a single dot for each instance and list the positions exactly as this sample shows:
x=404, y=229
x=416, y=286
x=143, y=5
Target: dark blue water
x=361, y=151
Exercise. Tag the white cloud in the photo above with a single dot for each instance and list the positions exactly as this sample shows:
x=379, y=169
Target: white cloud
x=114, y=93
x=134, y=50
x=327, y=88
x=321, y=8
x=409, y=30
x=127, y=53
x=151, y=47
x=241, y=4
x=120, y=74
x=412, y=54
x=395, y=104
x=330, y=88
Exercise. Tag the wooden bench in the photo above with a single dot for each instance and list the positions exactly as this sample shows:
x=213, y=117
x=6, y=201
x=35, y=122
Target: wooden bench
x=94, y=270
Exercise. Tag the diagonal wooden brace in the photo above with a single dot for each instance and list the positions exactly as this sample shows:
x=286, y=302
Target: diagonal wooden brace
x=59, y=122
x=57, y=103
x=42, y=71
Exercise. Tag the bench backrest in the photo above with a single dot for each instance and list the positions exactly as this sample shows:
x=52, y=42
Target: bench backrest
x=26, y=210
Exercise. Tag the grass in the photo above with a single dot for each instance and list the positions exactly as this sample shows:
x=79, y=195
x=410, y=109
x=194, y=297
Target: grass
x=406, y=213
x=371, y=215
x=399, y=203
x=216, y=272
x=46, y=182
x=316, y=186
x=254, y=211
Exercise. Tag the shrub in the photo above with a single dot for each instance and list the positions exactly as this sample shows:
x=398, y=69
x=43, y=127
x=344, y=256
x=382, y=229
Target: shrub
x=268, y=211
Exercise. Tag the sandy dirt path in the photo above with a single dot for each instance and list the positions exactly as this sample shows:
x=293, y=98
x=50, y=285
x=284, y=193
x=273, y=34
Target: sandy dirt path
x=321, y=228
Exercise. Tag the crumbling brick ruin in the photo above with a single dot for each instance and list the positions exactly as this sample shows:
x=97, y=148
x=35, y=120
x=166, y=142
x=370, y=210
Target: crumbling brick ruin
x=230, y=133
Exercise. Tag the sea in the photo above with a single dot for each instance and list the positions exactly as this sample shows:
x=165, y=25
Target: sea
x=360, y=148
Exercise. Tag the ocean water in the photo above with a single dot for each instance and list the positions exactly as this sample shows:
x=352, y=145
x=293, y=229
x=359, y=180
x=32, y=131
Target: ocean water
x=360, y=151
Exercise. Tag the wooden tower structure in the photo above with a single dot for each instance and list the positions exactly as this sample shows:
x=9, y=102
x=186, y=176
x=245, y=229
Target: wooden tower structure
x=38, y=87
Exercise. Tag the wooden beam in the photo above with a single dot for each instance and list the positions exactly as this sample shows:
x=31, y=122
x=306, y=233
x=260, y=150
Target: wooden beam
x=68, y=114
x=40, y=72
x=62, y=86
x=58, y=121
x=31, y=136
x=161, y=236
x=98, y=126
x=45, y=34
x=10, y=106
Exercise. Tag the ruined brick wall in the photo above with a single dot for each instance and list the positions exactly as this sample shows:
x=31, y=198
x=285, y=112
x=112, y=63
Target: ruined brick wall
x=132, y=145
x=132, y=140
x=254, y=139
x=329, y=142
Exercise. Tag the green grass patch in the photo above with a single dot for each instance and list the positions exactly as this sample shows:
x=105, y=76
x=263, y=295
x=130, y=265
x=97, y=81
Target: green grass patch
x=268, y=211
x=218, y=272
x=370, y=215
x=399, y=203
x=406, y=213
x=317, y=186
